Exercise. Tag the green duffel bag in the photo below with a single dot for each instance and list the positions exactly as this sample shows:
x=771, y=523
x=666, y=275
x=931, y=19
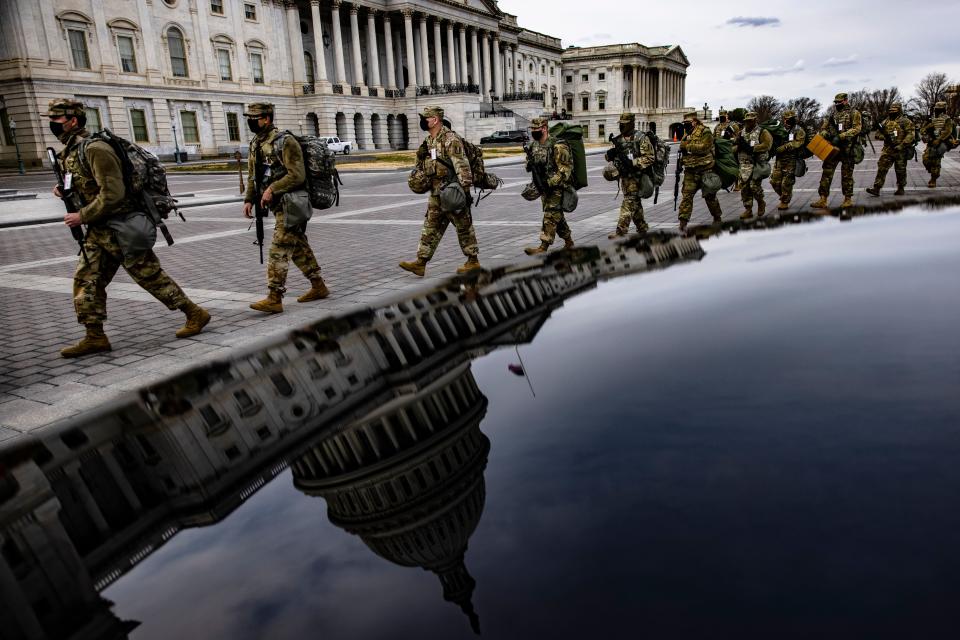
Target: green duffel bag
x=725, y=165
x=646, y=185
x=296, y=208
x=857, y=152
x=710, y=183
x=136, y=233
x=569, y=200
x=761, y=171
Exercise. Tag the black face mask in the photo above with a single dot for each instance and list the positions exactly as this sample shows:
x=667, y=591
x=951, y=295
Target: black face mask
x=254, y=124
x=939, y=112
x=839, y=106
x=688, y=127
x=537, y=135
x=791, y=123
x=56, y=128
x=723, y=119
x=626, y=129
x=423, y=125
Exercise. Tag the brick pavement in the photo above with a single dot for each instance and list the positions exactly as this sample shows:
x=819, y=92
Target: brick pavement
x=358, y=244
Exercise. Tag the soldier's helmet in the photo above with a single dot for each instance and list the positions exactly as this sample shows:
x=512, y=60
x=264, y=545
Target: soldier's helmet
x=789, y=113
x=530, y=192
x=64, y=107
x=536, y=123
x=432, y=112
x=610, y=172
x=750, y=115
x=940, y=105
x=259, y=110
x=418, y=181
x=627, y=117
x=690, y=116
x=896, y=107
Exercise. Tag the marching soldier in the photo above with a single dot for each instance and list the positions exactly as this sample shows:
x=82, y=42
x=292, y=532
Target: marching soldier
x=726, y=128
x=897, y=134
x=275, y=167
x=553, y=160
x=96, y=175
x=938, y=135
x=640, y=155
x=753, y=150
x=842, y=129
x=443, y=146
x=785, y=168
x=697, y=149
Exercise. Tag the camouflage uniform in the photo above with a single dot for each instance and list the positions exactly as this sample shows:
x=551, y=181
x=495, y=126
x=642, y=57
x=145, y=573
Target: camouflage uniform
x=641, y=153
x=283, y=171
x=698, y=158
x=556, y=160
x=936, y=132
x=728, y=129
x=753, y=148
x=842, y=130
x=784, y=174
x=897, y=134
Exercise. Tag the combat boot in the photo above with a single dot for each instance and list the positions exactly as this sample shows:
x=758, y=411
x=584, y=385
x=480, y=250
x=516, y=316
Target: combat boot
x=197, y=319
x=273, y=303
x=874, y=191
x=761, y=208
x=747, y=213
x=532, y=251
x=820, y=204
x=318, y=291
x=847, y=202
x=94, y=342
x=568, y=243
x=683, y=226
x=899, y=192
x=933, y=183
x=472, y=264
x=417, y=268
x=616, y=234
x=783, y=206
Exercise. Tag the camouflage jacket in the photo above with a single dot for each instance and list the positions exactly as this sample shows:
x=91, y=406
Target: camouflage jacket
x=98, y=181
x=697, y=147
x=556, y=160
x=282, y=169
x=446, y=145
x=731, y=129
x=844, y=125
x=756, y=142
x=796, y=140
x=898, y=131
x=938, y=130
x=639, y=146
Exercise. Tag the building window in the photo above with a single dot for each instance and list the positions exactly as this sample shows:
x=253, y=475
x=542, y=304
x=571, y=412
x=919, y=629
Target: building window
x=543, y=69
x=551, y=71
x=531, y=67
x=233, y=127
x=601, y=76
x=223, y=60
x=94, y=123
x=308, y=64
x=585, y=103
x=256, y=67
x=178, y=53
x=601, y=103
x=188, y=120
x=138, y=120
x=601, y=130
x=584, y=78
x=586, y=129
x=216, y=6
x=570, y=105
x=78, y=48
x=569, y=78
x=128, y=57
x=249, y=11
x=519, y=65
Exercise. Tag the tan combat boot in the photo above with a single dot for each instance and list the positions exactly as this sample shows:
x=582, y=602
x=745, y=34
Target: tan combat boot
x=747, y=213
x=899, y=191
x=273, y=303
x=820, y=204
x=318, y=291
x=761, y=208
x=197, y=319
x=783, y=206
x=472, y=263
x=616, y=234
x=94, y=342
x=847, y=202
x=417, y=268
x=568, y=243
x=532, y=251
x=933, y=183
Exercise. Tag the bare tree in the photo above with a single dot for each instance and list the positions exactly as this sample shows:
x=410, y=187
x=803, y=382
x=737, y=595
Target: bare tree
x=930, y=90
x=766, y=107
x=878, y=103
x=807, y=110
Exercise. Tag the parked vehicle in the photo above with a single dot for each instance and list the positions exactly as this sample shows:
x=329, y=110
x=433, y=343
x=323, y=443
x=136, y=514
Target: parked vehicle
x=517, y=135
x=339, y=146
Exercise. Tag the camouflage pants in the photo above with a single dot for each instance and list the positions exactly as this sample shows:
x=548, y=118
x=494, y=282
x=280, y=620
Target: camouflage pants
x=631, y=208
x=845, y=159
x=554, y=220
x=96, y=271
x=890, y=157
x=692, y=182
x=752, y=189
x=289, y=244
x=436, y=222
x=931, y=162
x=783, y=178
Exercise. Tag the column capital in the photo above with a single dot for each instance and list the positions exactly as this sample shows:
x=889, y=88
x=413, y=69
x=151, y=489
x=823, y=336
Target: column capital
x=372, y=12
x=335, y=4
x=315, y=3
x=354, y=9
x=461, y=27
x=407, y=14
x=386, y=17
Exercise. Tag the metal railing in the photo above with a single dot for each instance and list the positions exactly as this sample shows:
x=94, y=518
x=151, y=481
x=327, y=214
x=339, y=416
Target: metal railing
x=395, y=93
x=445, y=89
x=355, y=90
x=522, y=95
x=338, y=89
x=372, y=92
x=308, y=89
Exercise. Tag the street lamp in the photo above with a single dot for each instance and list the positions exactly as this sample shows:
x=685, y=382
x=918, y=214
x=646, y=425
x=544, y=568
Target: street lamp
x=176, y=147
x=300, y=124
x=13, y=134
x=705, y=109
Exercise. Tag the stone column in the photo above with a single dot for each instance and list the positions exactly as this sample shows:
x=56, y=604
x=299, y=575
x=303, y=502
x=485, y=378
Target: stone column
x=425, y=52
x=438, y=51
x=373, y=54
x=411, y=55
x=451, y=55
x=486, y=64
x=388, y=45
x=475, y=50
x=513, y=66
x=355, y=38
x=661, y=82
x=464, y=71
x=683, y=91
x=497, y=66
x=339, y=71
x=296, y=46
x=319, y=56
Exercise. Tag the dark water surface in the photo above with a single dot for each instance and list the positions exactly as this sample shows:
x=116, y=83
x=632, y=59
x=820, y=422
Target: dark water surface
x=764, y=442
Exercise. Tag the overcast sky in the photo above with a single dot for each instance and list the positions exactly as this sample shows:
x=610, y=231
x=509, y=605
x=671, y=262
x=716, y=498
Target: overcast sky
x=745, y=48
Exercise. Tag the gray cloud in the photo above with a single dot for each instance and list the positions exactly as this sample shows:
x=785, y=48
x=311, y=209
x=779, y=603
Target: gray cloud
x=770, y=71
x=754, y=21
x=841, y=62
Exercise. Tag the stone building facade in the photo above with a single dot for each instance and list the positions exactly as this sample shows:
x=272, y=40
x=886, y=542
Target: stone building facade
x=176, y=74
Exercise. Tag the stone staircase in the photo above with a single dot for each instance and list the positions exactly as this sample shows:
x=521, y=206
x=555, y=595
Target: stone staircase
x=8, y=195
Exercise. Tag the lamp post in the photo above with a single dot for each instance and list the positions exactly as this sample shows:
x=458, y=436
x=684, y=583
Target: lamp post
x=705, y=109
x=176, y=147
x=300, y=124
x=16, y=144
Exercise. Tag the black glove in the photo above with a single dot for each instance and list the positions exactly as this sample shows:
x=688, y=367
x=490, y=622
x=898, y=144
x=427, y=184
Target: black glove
x=422, y=152
x=610, y=155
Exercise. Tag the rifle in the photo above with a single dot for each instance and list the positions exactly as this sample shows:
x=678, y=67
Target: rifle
x=260, y=213
x=537, y=171
x=676, y=183
x=70, y=201
x=620, y=159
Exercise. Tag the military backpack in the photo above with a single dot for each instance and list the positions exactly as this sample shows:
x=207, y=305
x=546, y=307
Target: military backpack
x=725, y=163
x=661, y=158
x=780, y=134
x=320, y=166
x=572, y=136
x=482, y=179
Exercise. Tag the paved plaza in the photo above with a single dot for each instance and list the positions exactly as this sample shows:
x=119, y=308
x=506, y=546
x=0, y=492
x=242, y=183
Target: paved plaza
x=358, y=245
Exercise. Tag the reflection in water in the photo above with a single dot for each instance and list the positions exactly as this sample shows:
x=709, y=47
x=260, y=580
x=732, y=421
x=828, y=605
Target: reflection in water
x=378, y=410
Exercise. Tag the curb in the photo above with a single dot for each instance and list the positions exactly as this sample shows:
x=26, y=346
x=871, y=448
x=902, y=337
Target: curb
x=59, y=218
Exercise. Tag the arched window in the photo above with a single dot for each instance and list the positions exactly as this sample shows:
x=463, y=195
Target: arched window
x=308, y=63
x=178, y=53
